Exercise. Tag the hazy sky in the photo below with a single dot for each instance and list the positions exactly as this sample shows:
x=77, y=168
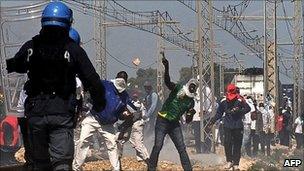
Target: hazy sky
x=126, y=43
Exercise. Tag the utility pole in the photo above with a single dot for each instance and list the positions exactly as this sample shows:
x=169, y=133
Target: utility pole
x=271, y=77
x=200, y=62
x=222, y=76
x=160, y=67
x=297, y=109
x=195, y=55
x=302, y=92
x=205, y=55
x=156, y=20
x=100, y=39
x=210, y=70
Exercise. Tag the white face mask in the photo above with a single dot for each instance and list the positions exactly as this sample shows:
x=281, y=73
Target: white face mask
x=120, y=84
x=261, y=108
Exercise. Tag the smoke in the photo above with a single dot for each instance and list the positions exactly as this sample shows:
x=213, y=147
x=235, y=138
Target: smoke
x=170, y=153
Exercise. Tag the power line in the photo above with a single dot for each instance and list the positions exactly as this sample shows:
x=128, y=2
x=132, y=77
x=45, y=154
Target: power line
x=288, y=24
x=123, y=63
x=116, y=58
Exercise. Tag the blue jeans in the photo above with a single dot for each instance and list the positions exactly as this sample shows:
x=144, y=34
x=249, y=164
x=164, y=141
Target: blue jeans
x=173, y=129
x=246, y=138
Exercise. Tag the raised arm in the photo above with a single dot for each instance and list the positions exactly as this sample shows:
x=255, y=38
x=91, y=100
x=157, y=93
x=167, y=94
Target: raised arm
x=168, y=82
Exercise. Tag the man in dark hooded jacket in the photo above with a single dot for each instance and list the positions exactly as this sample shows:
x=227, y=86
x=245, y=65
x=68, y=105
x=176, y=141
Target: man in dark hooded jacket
x=233, y=108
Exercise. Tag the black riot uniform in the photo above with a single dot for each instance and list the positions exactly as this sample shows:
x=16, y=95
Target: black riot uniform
x=51, y=61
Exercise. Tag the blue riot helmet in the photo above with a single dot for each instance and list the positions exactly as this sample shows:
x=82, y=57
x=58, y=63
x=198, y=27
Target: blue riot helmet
x=73, y=34
x=57, y=14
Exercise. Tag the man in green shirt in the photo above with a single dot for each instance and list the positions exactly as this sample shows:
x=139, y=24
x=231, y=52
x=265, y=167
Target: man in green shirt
x=179, y=102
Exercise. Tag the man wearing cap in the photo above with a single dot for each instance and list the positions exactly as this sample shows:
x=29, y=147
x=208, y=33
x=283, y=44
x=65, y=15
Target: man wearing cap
x=151, y=104
x=234, y=109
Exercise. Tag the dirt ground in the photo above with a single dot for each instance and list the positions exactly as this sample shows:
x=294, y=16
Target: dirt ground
x=131, y=164
x=274, y=162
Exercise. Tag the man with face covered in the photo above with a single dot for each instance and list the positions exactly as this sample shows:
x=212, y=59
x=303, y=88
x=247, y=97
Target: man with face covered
x=117, y=100
x=179, y=102
x=51, y=60
x=234, y=109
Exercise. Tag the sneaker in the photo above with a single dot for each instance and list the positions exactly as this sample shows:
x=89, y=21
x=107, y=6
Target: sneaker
x=229, y=165
x=236, y=167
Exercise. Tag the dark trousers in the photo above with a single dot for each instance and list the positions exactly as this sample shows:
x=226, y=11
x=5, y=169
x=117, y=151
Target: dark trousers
x=284, y=137
x=253, y=142
x=232, y=144
x=150, y=126
x=51, y=141
x=197, y=136
x=221, y=132
x=299, y=140
x=173, y=129
x=246, y=139
x=265, y=139
x=23, y=123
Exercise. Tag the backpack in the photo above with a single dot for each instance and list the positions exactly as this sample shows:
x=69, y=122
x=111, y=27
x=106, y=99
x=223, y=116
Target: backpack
x=9, y=133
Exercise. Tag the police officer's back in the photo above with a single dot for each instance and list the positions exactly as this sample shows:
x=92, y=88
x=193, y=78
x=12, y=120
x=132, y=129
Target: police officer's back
x=51, y=61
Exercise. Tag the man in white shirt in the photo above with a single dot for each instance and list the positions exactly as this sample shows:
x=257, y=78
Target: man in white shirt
x=151, y=105
x=196, y=122
x=253, y=137
x=298, y=127
x=247, y=128
x=265, y=136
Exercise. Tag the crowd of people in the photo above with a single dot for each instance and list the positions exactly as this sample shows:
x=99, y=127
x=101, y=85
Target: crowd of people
x=60, y=73
x=52, y=101
x=249, y=131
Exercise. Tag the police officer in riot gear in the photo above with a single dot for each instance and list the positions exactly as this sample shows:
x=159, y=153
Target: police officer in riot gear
x=51, y=60
x=74, y=35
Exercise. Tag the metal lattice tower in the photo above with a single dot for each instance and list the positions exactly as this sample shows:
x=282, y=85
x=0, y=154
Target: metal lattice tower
x=230, y=21
x=100, y=39
x=271, y=82
x=205, y=62
x=297, y=57
x=302, y=49
x=160, y=67
x=222, y=76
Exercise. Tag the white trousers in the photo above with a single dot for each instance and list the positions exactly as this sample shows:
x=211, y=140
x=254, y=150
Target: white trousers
x=88, y=126
x=136, y=138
